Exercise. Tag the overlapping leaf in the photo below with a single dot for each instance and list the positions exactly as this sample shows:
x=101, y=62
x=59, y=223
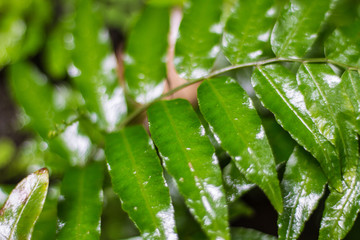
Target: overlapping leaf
x=303, y=185
x=190, y=159
x=247, y=233
x=331, y=110
x=23, y=207
x=247, y=31
x=137, y=178
x=198, y=40
x=233, y=119
x=343, y=45
x=80, y=205
x=277, y=89
x=298, y=27
x=144, y=60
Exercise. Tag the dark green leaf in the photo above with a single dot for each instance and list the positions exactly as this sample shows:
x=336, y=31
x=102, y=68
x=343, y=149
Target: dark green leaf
x=277, y=89
x=198, y=40
x=249, y=234
x=340, y=211
x=80, y=203
x=190, y=158
x=23, y=207
x=233, y=119
x=235, y=183
x=343, y=45
x=303, y=185
x=351, y=83
x=297, y=27
x=137, y=178
x=145, y=54
x=330, y=108
x=247, y=32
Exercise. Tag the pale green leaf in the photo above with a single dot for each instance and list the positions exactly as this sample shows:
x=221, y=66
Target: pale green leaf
x=145, y=54
x=198, y=41
x=80, y=203
x=137, y=178
x=233, y=119
x=190, y=158
x=302, y=186
x=277, y=88
x=246, y=35
x=298, y=27
x=23, y=207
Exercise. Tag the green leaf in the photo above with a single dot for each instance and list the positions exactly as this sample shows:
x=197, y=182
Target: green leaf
x=7, y=151
x=198, y=40
x=351, y=83
x=190, y=158
x=343, y=45
x=23, y=207
x=331, y=110
x=249, y=234
x=144, y=61
x=298, y=26
x=94, y=67
x=341, y=210
x=247, y=31
x=303, y=185
x=80, y=203
x=137, y=178
x=235, y=183
x=277, y=88
x=233, y=119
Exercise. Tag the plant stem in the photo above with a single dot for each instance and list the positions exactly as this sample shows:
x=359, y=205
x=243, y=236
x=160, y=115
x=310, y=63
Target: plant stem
x=144, y=107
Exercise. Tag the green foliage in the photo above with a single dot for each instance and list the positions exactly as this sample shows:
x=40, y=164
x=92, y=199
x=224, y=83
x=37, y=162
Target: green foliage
x=288, y=124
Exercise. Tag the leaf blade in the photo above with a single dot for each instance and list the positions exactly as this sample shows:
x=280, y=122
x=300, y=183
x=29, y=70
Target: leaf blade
x=140, y=184
x=228, y=109
x=351, y=82
x=191, y=160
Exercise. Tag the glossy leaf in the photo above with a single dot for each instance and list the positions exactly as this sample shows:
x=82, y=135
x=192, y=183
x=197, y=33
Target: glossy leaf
x=341, y=210
x=343, y=45
x=298, y=27
x=233, y=119
x=250, y=234
x=190, y=158
x=303, y=185
x=277, y=89
x=247, y=31
x=235, y=183
x=80, y=203
x=198, y=40
x=145, y=54
x=331, y=110
x=23, y=207
x=137, y=178
x=94, y=67
x=351, y=83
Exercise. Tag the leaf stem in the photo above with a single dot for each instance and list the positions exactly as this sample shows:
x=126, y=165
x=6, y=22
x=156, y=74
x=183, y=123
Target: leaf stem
x=215, y=73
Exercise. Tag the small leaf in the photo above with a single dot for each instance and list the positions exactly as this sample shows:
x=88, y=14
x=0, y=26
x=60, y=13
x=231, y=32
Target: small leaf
x=249, y=234
x=137, y=178
x=233, y=119
x=247, y=31
x=235, y=183
x=341, y=210
x=277, y=89
x=298, y=26
x=198, y=40
x=343, y=45
x=144, y=60
x=303, y=185
x=190, y=158
x=331, y=110
x=23, y=207
x=351, y=83
x=81, y=202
